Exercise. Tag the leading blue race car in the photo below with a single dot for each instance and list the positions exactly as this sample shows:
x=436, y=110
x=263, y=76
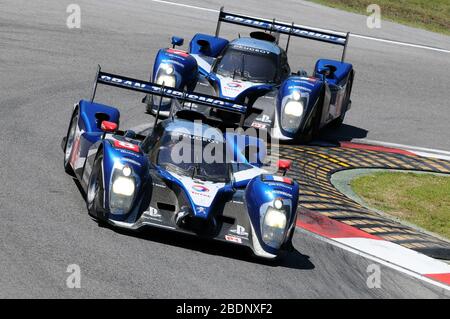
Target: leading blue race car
x=132, y=180
x=254, y=71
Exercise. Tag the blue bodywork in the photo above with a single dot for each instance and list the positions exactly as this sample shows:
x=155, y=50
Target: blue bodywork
x=327, y=100
x=235, y=209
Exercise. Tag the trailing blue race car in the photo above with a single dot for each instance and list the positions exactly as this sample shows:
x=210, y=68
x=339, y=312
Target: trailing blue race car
x=132, y=181
x=254, y=71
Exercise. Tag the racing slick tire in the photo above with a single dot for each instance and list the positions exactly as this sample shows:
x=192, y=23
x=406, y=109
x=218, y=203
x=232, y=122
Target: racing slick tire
x=95, y=190
x=70, y=138
x=148, y=100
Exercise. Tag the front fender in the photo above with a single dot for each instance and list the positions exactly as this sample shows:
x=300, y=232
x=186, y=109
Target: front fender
x=260, y=195
x=184, y=65
x=114, y=159
x=310, y=89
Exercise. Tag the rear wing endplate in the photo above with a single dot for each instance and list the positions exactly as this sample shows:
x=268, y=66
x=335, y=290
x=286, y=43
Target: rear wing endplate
x=332, y=37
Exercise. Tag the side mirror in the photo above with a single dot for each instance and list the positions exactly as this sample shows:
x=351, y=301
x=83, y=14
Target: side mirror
x=109, y=127
x=284, y=165
x=177, y=41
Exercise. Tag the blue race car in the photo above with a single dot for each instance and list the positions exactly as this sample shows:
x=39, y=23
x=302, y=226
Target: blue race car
x=254, y=71
x=132, y=180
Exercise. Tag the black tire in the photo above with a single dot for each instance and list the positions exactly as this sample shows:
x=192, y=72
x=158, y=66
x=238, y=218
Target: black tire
x=149, y=104
x=70, y=138
x=313, y=128
x=95, y=190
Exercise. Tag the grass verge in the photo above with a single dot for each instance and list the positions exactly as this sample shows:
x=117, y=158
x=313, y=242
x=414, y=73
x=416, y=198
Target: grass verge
x=420, y=199
x=432, y=15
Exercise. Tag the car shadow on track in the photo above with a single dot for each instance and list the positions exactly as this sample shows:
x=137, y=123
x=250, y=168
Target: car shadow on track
x=344, y=133
x=293, y=259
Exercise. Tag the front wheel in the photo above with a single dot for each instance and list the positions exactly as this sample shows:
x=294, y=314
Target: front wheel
x=312, y=129
x=70, y=139
x=95, y=190
x=148, y=101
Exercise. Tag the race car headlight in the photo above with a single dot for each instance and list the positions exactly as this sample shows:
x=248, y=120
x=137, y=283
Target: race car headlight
x=291, y=115
x=166, y=79
x=167, y=68
x=274, y=227
x=123, y=186
x=275, y=219
x=122, y=191
x=293, y=108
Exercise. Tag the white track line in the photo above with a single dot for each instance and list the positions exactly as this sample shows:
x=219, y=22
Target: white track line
x=376, y=259
x=354, y=35
x=406, y=44
x=185, y=6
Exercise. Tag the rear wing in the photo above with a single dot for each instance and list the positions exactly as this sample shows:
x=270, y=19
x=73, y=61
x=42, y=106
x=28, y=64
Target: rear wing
x=162, y=91
x=332, y=37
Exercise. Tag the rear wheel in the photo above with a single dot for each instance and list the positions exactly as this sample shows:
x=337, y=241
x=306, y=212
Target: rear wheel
x=70, y=139
x=95, y=190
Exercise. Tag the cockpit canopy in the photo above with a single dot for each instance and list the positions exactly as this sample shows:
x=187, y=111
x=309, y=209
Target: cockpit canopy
x=252, y=60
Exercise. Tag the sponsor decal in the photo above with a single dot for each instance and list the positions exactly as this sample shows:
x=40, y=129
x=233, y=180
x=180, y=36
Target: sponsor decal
x=178, y=52
x=234, y=85
x=200, y=188
x=259, y=125
x=127, y=152
x=129, y=160
x=195, y=137
x=170, y=92
x=240, y=230
x=181, y=65
x=126, y=146
x=282, y=179
x=278, y=185
x=282, y=193
x=233, y=239
x=264, y=118
x=251, y=49
x=301, y=82
x=309, y=79
x=284, y=29
x=201, y=209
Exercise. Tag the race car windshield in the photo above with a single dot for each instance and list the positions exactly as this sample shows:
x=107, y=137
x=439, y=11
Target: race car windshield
x=195, y=157
x=248, y=65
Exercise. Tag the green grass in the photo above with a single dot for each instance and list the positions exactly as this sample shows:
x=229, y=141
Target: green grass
x=421, y=199
x=432, y=15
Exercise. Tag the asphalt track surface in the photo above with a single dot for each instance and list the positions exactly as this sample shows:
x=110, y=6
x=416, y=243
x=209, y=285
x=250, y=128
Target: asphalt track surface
x=399, y=96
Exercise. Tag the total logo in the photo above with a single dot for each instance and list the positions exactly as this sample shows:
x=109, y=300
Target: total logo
x=234, y=85
x=200, y=188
